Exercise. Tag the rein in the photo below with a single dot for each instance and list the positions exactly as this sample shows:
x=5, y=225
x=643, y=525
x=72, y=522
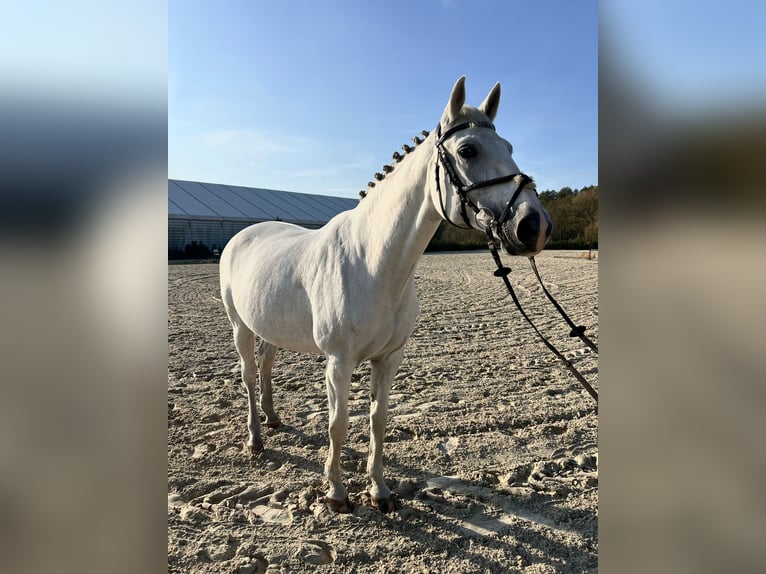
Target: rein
x=502, y=271
x=577, y=331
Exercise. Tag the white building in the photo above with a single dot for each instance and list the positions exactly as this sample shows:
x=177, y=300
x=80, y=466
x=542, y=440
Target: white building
x=211, y=213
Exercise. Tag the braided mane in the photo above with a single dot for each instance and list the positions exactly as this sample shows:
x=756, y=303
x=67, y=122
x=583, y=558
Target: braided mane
x=397, y=157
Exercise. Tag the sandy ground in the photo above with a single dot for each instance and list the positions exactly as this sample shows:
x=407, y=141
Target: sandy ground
x=491, y=447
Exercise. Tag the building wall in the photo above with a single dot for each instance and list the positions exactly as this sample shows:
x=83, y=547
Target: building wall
x=213, y=233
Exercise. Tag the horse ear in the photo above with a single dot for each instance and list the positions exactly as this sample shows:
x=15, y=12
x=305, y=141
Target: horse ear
x=490, y=104
x=456, y=101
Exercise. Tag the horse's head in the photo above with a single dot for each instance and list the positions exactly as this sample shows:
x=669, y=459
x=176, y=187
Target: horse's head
x=477, y=182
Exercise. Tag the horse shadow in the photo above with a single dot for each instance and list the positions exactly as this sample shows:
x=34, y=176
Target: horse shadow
x=546, y=532
x=432, y=512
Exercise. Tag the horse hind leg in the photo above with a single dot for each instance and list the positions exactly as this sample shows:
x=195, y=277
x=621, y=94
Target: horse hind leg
x=266, y=354
x=244, y=341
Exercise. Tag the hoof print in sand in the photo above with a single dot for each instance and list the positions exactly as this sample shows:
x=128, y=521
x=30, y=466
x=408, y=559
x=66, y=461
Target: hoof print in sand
x=317, y=552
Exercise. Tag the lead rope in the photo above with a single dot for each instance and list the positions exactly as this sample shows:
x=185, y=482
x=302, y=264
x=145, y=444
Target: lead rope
x=577, y=331
x=502, y=272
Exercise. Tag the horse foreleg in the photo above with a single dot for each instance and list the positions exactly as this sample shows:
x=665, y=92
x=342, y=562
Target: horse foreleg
x=338, y=379
x=382, y=376
x=266, y=353
x=244, y=340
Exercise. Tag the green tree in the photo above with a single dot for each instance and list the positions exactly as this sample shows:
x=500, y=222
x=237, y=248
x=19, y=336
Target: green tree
x=575, y=217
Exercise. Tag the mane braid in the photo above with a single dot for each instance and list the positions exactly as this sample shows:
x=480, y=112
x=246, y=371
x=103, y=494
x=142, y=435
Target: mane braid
x=397, y=157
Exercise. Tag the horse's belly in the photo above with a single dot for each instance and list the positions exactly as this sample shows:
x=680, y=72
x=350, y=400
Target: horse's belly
x=281, y=316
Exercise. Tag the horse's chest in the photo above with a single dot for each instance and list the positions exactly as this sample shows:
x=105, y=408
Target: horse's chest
x=366, y=319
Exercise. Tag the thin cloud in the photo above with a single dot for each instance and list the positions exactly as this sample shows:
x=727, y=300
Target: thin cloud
x=331, y=170
x=256, y=142
x=281, y=160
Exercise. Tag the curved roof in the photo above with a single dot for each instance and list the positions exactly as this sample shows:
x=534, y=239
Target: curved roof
x=193, y=199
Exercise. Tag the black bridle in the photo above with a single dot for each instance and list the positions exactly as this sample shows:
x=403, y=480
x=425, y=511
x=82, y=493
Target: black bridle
x=462, y=190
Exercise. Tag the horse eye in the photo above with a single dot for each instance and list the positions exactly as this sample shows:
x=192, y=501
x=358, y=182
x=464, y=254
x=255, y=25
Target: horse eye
x=467, y=151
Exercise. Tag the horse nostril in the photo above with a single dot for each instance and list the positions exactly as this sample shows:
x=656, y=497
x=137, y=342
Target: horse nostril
x=528, y=229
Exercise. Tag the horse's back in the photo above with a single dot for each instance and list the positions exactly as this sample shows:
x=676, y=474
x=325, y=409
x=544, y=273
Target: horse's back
x=258, y=232
x=251, y=244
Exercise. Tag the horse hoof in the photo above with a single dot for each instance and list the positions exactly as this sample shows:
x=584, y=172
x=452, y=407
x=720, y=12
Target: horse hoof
x=275, y=424
x=254, y=450
x=385, y=505
x=341, y=506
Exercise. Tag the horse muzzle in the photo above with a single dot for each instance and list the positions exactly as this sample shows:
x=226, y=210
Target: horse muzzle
x=526, y=235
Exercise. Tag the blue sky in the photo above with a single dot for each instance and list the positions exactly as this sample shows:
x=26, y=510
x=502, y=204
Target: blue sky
x=314, y=96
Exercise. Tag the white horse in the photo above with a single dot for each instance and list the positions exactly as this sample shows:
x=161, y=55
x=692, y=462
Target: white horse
x=347, y=290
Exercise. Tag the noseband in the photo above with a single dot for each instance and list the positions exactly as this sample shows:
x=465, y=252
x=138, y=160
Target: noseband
x=462, y=190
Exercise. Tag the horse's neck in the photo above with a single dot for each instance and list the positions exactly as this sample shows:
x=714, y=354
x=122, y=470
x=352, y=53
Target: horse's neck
x=397, y=219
